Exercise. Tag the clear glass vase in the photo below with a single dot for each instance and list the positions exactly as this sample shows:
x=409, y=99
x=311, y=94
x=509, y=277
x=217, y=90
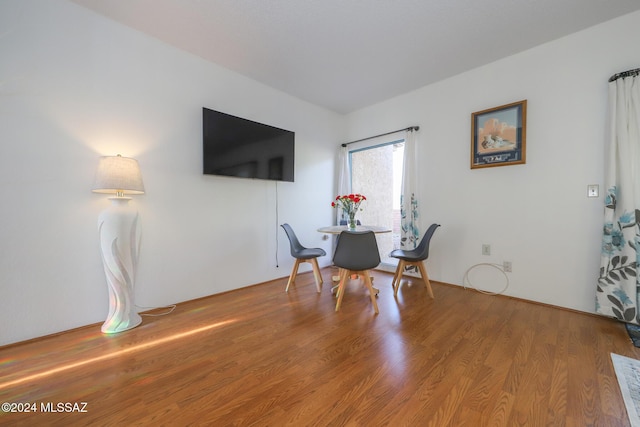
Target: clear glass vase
x=351, y=224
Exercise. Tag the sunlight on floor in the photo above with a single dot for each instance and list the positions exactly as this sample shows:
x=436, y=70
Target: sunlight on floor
x=114, y=354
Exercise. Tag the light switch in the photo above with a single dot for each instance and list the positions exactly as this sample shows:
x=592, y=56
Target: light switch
x=592, y=190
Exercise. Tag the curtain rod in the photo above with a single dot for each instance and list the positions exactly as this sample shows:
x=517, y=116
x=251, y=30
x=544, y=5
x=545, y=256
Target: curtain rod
x=382, y=134
x=629, y=73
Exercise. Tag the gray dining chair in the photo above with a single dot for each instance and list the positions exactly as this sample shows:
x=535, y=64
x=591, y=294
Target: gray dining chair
x=415, y=257
x=303, y=254
x=356, y=253
x=343, y=222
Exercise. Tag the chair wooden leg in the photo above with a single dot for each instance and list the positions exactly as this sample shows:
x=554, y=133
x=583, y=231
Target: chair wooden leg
x=292, y=277
x=316, y=273
x=397, y=278
x=425, y=278
x=336, y=280
x=372, y=293
x=344, y=275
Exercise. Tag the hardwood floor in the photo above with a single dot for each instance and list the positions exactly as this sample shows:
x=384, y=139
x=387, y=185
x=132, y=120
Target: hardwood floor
x=259, y=356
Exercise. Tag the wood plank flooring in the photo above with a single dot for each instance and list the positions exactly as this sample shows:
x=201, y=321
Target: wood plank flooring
x=262, y=357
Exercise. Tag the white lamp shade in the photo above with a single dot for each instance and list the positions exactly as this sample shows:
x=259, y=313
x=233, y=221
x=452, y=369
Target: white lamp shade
x=119, y=175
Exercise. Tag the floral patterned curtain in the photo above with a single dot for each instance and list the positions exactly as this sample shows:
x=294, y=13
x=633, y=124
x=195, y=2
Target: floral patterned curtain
x=409, y=209
x=617, y=294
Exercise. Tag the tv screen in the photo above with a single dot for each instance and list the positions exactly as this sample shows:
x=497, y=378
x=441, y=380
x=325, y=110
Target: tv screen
x=233, y=146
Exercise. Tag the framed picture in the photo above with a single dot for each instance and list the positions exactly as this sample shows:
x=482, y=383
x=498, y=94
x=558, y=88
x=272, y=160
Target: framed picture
x=498, y=136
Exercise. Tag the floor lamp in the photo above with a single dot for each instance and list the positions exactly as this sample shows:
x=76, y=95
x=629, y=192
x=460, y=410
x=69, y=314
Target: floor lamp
x=119, y=229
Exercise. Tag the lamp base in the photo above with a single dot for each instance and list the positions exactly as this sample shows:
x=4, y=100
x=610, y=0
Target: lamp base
x=113, y=326
x=119, y=230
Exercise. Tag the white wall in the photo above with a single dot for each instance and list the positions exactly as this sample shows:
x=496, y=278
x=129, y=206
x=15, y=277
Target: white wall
x=75, y=86
x=536, y=215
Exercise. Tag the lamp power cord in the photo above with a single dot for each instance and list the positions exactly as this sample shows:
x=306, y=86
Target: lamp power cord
x=169, y=308
x=466, y=281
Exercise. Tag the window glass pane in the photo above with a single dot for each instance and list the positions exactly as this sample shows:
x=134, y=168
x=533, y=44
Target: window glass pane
x=376, y=172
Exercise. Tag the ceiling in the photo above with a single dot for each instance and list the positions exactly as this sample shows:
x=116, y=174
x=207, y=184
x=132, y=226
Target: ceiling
x=348, y=54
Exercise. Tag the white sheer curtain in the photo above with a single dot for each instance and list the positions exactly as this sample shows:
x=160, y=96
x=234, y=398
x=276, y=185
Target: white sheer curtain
x=617, y=293
x=409, y=206
x=344, y=178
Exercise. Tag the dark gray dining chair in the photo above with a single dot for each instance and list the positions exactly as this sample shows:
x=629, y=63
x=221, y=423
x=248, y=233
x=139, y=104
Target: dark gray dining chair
x=356, y=253
x=344, y=222
x=415, y=257
x=302, y=254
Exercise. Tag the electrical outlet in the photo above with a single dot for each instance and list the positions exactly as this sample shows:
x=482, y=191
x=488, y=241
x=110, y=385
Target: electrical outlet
x=506, y=266
x=486, y=249
x=592, y=190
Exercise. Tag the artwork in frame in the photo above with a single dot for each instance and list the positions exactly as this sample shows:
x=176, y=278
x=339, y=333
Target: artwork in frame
x=498, y=136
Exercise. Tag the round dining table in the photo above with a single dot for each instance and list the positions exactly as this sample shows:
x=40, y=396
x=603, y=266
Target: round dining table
x=337, y=229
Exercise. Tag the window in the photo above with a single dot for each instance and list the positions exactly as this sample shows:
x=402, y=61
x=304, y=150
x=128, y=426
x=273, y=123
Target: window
x=376, y=172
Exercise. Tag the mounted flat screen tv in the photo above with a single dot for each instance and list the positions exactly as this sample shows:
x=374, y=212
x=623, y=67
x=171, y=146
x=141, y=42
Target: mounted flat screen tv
x=233, y=146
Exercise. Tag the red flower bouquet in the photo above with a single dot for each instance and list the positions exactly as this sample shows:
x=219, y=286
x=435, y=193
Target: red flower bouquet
x=349, y=204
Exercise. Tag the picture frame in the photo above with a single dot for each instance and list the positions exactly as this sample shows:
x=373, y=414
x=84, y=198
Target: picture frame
x=498, y=136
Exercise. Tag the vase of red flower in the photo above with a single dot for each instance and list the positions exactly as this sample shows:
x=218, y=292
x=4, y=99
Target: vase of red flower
x=350, y=204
